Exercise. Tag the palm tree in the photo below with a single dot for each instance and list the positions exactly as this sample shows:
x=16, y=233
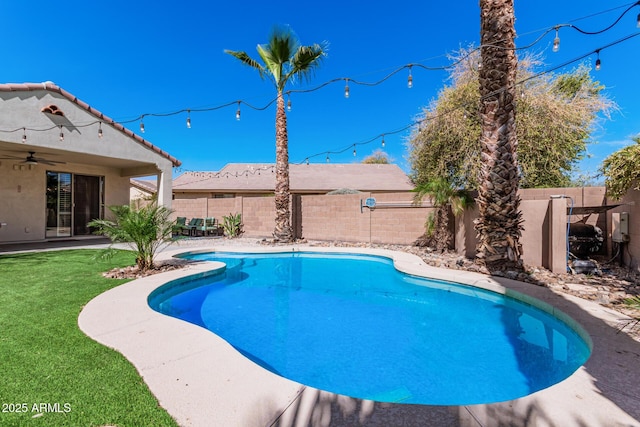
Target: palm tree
x=146, y=230
x=499, y=225
x=445, y=198
x=283, y=60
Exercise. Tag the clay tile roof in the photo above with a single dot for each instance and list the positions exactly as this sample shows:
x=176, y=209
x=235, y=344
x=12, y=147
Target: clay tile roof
x=316, y=178
x=149, y=186
x=51, y=87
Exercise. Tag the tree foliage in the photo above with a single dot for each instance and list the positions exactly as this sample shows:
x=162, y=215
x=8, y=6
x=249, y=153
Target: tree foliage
x=554, y=114
x=377, y=157
x=283, y=60
x=622, y=170
x=445, y=199
x=146, y=229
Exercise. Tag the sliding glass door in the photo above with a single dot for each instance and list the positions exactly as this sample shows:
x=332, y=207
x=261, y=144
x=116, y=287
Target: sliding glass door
x=87, y=201
x=72, y=201
x=58, y=204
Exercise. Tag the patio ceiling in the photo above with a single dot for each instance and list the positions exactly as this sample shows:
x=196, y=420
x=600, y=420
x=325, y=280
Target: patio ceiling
x=129, y=167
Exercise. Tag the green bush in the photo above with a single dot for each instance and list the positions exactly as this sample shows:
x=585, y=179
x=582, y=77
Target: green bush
x=232, y=225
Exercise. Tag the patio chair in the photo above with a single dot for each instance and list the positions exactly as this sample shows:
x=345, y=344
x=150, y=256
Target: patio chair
x=194, y=225
x=208, y=227
x=178, y=227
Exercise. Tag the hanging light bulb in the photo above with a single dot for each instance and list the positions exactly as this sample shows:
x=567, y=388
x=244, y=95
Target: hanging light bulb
x=141, y=126
x=100, y=130
x=354, y=150
x=238, y=112
x=188, y=119
x=556, y=42
x=288, y=103
x=327, y=159
x=410, y=79
x=307, y=161
x=638, y=21
x=24, y=135
x=598, y=62
x=346, y=88
x=61, y=134
x=382, y=141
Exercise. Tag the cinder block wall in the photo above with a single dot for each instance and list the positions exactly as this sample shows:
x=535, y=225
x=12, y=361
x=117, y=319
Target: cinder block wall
x=396, y=221
x=398, y=225
x=335, y=217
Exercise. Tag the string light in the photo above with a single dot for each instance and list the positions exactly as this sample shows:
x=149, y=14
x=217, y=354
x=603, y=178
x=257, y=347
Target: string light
x=598, y=62
x=307, y=160
x=328, y=159
x=61, y=134
x=188, y=119
x=638, y=21
x=354, y=150
x=410, y=79
x=382, y=140
x=24, y=135
x=288, y=102
x=100, y=130
x=556, y=42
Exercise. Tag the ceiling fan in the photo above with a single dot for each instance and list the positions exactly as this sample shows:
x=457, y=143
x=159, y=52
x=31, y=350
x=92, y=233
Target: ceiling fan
x=31, y=159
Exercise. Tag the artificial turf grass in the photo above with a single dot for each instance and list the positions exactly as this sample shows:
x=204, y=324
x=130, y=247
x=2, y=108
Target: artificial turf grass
x=46, y=359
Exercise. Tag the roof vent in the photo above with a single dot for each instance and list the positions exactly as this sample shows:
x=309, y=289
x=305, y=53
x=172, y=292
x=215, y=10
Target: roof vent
x=53, y=109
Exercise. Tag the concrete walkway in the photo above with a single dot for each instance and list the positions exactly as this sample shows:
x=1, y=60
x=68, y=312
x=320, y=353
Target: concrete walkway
x=202, y=381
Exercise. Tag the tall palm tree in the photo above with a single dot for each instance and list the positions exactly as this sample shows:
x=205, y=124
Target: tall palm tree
x=499, y=225
x=283, y=60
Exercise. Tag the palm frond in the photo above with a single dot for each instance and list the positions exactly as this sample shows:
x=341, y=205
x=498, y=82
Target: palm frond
x=145, y=230
x=271, y=62
x=306, y=60
x=247, y=60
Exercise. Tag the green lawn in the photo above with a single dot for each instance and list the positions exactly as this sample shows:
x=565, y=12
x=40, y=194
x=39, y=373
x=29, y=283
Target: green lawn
x=46, y=359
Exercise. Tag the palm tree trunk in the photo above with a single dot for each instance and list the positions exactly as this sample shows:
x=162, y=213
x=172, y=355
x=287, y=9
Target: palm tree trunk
x=283, y=231
x=500, y=222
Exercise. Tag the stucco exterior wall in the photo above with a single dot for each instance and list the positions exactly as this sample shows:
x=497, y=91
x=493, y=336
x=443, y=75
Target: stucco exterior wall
x=630, y=251
x=22, y=189
x=117, y=156
x=21, y=208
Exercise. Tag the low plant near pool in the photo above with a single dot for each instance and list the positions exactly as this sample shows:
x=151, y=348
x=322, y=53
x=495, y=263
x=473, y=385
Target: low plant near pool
x=145, y=229
x=232, y=225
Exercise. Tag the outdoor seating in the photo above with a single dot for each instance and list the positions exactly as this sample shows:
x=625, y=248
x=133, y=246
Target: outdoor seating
x=209, y=226
x=193, y=225
x=180, y=224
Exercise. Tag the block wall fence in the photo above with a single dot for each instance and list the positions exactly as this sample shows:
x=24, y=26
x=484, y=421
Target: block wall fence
x=396, y=221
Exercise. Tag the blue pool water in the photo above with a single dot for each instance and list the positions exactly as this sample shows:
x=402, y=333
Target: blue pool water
x=354, y=325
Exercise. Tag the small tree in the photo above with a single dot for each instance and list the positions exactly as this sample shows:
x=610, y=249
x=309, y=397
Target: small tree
x=377, y=157
x=145, y=229
x=555, y=116
x=622, y=170
x=445, y=198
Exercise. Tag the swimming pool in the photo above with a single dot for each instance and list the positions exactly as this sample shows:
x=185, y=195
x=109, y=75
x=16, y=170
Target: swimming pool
x=354, y=325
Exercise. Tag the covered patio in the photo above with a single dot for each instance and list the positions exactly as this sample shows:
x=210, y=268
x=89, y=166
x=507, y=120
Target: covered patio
x=62, y=163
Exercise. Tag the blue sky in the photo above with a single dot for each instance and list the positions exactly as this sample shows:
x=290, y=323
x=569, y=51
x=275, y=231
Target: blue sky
x=132, y=58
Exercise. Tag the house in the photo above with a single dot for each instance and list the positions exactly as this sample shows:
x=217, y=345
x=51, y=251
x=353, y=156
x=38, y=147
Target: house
x=62, y=163
x=258, y=179
x=142, y=189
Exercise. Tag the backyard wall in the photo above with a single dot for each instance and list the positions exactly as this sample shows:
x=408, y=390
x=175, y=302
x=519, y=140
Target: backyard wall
x=395, y=220
x=631, y=250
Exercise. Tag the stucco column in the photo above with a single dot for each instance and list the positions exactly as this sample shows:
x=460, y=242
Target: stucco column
x=558, y=235
x=164, y=187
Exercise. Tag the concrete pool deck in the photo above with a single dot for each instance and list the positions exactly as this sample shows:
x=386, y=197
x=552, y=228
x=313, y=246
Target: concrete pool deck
x=202, y=381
